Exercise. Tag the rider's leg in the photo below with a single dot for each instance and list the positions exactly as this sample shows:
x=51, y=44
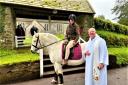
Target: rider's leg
x=70, y=45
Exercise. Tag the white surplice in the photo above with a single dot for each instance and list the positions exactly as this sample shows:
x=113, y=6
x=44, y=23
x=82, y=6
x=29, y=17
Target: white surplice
x=99, y=54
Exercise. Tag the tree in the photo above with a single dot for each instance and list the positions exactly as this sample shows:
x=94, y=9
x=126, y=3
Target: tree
x=121, y=10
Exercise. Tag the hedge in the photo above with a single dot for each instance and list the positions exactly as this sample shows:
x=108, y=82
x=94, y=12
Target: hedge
x=120, y=53
x=114, y=39
x=106, y=25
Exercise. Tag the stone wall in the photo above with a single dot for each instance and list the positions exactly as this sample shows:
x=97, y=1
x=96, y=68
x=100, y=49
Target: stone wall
x=19, y=72
x=7, y=36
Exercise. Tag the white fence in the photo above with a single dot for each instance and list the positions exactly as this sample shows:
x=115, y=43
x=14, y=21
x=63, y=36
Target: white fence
x=19, y=41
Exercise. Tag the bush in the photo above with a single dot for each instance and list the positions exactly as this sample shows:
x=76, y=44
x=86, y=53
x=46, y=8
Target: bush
x=120, y=53
x=109, y=26
x=114, y=39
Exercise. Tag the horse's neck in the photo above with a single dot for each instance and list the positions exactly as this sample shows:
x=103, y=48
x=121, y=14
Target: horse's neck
x=52, y=48
x=48, y=40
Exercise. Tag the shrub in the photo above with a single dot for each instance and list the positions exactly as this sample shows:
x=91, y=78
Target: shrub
x=114, y=39
x=120, y=53
x=109, y=26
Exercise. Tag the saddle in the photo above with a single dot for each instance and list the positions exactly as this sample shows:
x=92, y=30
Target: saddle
x=75, y=52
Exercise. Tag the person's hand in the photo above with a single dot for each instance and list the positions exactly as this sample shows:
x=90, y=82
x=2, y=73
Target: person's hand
x=100, y=66
x=87, y=53
x=74, y=43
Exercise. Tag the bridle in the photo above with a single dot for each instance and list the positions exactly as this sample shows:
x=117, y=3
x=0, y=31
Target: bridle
x=37, y=48
x=42, y=46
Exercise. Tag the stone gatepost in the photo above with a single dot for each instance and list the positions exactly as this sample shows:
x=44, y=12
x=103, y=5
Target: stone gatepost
x=8, y=37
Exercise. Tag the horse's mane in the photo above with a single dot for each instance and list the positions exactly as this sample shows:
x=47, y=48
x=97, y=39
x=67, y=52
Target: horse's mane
x=49, y=35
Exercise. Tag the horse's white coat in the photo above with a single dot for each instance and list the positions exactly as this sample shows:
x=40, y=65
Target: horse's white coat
x=54, y=50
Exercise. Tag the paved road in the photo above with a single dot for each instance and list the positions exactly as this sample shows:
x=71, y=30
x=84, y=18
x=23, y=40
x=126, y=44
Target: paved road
x=117, y=76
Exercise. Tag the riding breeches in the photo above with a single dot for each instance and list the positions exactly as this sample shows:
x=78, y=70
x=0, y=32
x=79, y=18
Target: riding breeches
x=69, y=45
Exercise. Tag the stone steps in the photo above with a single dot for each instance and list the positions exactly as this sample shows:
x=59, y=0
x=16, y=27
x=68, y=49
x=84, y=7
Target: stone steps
x=49, y=68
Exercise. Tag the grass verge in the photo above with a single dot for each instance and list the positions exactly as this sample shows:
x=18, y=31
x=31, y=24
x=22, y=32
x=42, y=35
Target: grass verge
x=8, y=57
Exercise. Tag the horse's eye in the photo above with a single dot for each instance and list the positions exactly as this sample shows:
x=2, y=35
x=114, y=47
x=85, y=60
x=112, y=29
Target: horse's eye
x=34, y=40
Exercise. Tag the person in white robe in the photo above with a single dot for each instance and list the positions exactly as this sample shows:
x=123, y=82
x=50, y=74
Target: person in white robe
x=96, y=57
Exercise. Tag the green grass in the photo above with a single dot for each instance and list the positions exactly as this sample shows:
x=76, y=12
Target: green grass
x=28, y=40
x=121, y=54
x=8, y=57
x=61, y=36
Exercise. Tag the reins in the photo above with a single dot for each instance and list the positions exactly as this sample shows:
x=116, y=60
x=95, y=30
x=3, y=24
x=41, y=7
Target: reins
x=38, y=41
x=50, y=44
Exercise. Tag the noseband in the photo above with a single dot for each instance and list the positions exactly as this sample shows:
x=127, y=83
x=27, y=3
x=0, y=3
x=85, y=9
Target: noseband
x=37, y=48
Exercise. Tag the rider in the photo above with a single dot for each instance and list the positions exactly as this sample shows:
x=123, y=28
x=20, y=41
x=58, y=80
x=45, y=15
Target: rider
x=72, y=35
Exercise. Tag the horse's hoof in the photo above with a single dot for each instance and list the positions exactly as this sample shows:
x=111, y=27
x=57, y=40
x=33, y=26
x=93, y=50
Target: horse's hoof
x=54, y=82
x=60, y=84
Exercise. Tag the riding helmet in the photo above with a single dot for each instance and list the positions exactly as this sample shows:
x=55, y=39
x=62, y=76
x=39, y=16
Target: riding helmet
x=72, y=17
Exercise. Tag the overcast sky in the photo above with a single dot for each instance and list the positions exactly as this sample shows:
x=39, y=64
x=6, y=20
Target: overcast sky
x=103, y=7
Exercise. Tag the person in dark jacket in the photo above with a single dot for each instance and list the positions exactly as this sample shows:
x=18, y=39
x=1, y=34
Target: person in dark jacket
x=72, y=35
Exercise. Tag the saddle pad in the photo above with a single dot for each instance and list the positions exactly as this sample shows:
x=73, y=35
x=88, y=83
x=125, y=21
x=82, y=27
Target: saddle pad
x=76, y=53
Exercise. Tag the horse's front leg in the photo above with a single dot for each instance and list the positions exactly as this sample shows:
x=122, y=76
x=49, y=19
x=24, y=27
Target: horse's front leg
x=58, y=74
x=61, y=79
x=55, y=79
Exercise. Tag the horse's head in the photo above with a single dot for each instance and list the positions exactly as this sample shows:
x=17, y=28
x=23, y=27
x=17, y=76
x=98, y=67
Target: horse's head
x=36, y=43
x=41, y=40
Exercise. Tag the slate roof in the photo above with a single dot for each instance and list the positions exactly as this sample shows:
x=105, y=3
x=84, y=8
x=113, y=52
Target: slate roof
x=68, y=5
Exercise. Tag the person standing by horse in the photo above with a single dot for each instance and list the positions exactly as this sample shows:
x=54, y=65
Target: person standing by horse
x=96, y=59
x=71, y=37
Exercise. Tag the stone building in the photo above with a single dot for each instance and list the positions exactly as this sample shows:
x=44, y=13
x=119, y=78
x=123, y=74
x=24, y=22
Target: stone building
x=49, y=10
